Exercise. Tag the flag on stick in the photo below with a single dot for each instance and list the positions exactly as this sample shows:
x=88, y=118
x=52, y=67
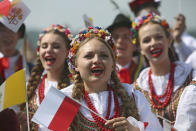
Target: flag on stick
x=16, y=15
x=87, y=20
x=56, y=111
x=4, y=7
x=13, y=91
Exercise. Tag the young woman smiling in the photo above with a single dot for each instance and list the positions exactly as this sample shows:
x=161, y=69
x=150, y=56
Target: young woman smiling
x=96, y=85
x=165, y=80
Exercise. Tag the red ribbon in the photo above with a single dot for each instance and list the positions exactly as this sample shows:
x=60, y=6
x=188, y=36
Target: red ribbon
x=124, y=76
x=41, y=89
x=145, y=125
x=4, y=64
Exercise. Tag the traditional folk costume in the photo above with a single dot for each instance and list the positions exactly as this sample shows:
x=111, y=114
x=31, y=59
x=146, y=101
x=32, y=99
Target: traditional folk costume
x=9, y=65
x=188, y=43
x=37, y=98
x=164, y=93
x=130, y=72
x=186, y=111
x=39, y=93
x=100, y=101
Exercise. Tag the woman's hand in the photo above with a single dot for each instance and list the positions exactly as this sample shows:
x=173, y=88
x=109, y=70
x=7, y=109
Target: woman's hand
x=121, y=124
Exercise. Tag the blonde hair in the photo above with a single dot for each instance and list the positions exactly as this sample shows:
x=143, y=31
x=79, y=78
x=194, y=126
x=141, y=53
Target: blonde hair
x=128, y=104
x=38, y=69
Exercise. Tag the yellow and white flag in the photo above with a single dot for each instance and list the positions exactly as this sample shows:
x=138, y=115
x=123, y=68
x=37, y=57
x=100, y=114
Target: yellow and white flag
x=87, y=20
x=13, y=90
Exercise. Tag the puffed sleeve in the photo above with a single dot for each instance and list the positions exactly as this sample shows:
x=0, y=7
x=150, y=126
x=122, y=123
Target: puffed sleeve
x=186, y=111
x=144, y=110
x=182, y=51
x=186, y=47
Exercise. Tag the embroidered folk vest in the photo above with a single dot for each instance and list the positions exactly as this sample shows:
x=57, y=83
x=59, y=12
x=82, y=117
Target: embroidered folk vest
x=83, y=124
x=168, y=112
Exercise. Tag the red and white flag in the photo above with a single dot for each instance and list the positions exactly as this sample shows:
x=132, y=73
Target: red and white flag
x=56, y=111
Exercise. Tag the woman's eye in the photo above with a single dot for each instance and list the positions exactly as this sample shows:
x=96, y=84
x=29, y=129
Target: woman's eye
x=147, y=40
x=104, y=55
x=56, y=46
x=44, y=45
x=159, y=37
x=88, y=56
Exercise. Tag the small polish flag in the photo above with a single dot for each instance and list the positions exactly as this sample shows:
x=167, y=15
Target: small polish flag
x=56, y=111
x=167, y=124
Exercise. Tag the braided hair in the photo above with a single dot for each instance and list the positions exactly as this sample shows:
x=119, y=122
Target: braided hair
x=38, y=69
x=128, y=104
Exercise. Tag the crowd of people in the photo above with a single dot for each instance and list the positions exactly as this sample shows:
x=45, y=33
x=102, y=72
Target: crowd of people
x=136, y=74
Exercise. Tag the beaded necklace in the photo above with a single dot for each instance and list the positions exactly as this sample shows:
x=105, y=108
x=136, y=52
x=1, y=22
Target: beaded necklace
x=41, y=89
x=98, y=120
x=168, y=92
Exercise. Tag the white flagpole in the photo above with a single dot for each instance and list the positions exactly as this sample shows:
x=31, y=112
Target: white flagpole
x=164, y=119
x=27, y=106
x=87, y=108
x=26, y=78
x=27, y=109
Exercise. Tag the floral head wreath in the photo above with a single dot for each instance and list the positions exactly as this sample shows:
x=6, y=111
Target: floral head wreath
x=84, y=34
x=60, y=28
x=139, y=21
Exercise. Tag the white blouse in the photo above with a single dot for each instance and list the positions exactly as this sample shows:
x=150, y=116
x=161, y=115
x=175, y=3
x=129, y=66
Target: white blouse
x=182, y=70
x=191, y=60
x=48, y=85
x=100, y=101
x=186, y=111
x=186, y=47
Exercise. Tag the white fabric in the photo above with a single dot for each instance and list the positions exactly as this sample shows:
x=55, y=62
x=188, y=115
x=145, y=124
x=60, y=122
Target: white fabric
x=182, y=70
x=126, y=66
x=189, y=41
x=1, y=55
x=191, y=60
x=100, y=101
x=48, y=85
x=136, y=123
x=186, y=111
x=186, y=47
